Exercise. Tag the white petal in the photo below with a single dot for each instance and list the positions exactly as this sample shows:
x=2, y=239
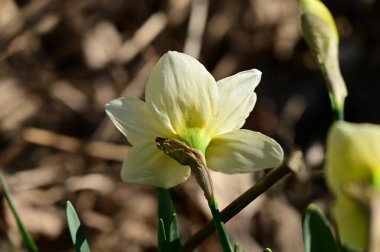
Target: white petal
x=243, y=151
x=132, y=117
x=146, y=164
x=236, y=100
x=181, y=92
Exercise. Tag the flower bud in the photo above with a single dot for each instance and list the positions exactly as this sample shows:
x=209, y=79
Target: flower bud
x=353, y=158
x=321, y=35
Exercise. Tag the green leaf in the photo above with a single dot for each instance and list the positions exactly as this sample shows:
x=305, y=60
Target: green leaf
x=174, y=229
x=175, y=236
x=168, y=234
x=316, y=232
x=76, y=229
x=267, y=250
x=165, y=208
x=27, y=238
x=161, y=236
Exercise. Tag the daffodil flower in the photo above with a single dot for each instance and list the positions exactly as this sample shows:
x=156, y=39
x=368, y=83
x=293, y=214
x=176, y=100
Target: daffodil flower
x=184, y=102
x=353, y=156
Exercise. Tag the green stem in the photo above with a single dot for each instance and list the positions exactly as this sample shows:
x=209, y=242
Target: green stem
x=219, y=226
x=168, y=235
x=238, y=204
x=165, y=207
x=335, y=84
x=29, y=242
x=338, y=114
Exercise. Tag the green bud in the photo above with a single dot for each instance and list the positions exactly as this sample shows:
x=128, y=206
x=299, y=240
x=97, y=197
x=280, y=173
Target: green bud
x=317, y=9
x=321, y=35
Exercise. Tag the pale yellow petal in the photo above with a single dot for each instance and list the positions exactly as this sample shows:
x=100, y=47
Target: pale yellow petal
x=243, y=151
x=352, y=221
x=146, y=164
x=181, y=92
x=353, y=155
x=236, y=100
x=132, y=117
x=318, y=9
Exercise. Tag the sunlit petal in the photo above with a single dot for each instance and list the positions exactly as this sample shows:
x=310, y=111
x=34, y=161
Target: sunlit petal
x=236, y=100
x=146, y=164
x=243, y=151
x=132, y=117
x=181, y=91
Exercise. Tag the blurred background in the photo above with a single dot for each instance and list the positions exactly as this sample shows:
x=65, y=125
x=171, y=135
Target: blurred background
x=61, y=61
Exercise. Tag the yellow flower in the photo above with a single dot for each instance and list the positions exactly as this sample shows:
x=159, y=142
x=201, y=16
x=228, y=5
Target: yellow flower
x=183, y=101
x=353, y=156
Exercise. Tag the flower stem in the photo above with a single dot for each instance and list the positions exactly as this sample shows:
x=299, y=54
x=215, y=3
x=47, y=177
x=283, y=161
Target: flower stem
x=333, y=78
x=240, y=203
x=338, y=114
x=29, y=242
x=197, y=162
x=219, y=226
x=168, y=236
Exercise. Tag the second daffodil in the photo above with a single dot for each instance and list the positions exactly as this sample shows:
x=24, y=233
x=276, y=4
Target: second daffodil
x=353, y=157
x=184, y=102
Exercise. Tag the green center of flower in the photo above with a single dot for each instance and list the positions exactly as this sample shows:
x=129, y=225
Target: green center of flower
x=376, y=179
x=196, y=138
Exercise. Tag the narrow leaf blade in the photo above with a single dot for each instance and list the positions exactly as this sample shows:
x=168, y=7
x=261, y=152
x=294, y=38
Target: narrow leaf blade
x=175, y=237
x=76, y=229
x=174, y=229
x=27, y=238
x=163, y=244
x=165, y=208
x=168, y=221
